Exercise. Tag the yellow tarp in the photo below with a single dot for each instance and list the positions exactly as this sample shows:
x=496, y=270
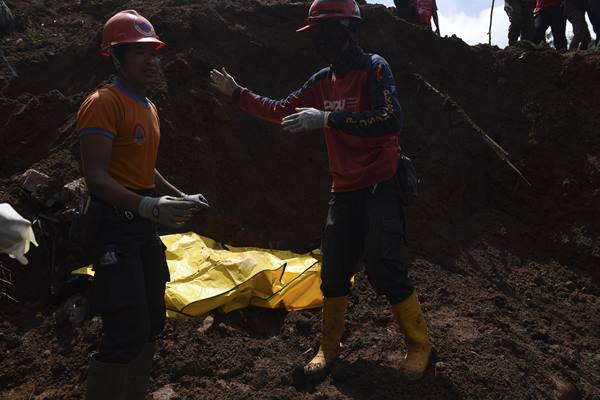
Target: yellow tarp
x=206, y=275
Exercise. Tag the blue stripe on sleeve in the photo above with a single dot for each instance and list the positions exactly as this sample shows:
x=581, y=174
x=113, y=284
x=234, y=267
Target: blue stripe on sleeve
x=96, y=132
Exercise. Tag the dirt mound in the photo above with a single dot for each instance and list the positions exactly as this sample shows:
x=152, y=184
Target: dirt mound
x=508, y=273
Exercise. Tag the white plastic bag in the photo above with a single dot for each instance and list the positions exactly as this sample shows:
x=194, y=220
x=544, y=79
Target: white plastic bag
x=16, y=234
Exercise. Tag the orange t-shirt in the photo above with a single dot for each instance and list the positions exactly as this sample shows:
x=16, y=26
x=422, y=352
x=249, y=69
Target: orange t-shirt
x=131, y=121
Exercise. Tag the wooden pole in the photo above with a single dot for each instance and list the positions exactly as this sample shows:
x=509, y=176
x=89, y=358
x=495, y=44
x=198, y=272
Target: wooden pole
x=447, y=101
x=491, y=20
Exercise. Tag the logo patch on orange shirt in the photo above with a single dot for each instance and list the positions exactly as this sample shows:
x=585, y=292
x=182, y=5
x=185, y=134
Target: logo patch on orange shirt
x=139, y=134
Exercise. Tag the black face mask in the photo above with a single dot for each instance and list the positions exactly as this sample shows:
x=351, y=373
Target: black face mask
x=330, y=39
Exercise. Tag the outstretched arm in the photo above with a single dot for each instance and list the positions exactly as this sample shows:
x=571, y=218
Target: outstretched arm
x=164, y=187
x=260, y=106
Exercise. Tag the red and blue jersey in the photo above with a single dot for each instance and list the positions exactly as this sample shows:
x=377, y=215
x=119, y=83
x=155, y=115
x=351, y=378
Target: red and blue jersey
x=543, y=5
x=364, y=124
x=426, y=9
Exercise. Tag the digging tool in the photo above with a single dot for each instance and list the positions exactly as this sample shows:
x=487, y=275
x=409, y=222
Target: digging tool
x=500, y=152
x=12, y=70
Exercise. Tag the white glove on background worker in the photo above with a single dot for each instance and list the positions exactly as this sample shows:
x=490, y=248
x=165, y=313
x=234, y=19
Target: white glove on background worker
x=197, y=199
x=223, y=82
x=306, y=119
x=16, y=234
x=169, y=211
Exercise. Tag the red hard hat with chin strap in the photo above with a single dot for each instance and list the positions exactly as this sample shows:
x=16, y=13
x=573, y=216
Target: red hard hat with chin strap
x=128, y=27
x=330, y=9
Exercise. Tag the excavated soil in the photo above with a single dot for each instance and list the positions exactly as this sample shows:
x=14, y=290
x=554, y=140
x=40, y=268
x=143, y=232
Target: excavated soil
x=508, y=273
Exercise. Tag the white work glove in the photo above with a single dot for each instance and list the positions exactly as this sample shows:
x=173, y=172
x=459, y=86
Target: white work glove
x=223, y=82
x=169, y=211
x=306, y=119
x=16, y=234
x=197, y=199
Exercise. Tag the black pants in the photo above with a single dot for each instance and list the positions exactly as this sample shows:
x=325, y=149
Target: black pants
x=594, y=15
x=575, y=12
x=552, y=18
x=369, y=223
x=520, y=15
x=406, y=11
x=129, y=282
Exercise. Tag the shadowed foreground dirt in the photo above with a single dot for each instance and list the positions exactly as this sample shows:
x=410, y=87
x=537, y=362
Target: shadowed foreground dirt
x=508, y=274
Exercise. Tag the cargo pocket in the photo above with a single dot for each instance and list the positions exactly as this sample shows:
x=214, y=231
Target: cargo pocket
x=116, y=282
x=155, y=268
x=391, y=239
x=385, y=267
x=85, y=229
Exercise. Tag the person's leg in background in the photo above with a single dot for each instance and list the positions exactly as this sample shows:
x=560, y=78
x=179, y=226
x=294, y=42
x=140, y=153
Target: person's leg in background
x=515, y=16
x=542, y=22
x=575, y=13
x=559, y=27
x=593, y=9
x=527, y=24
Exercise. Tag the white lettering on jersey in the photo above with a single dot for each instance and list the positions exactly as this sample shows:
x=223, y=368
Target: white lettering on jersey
x=338, y=105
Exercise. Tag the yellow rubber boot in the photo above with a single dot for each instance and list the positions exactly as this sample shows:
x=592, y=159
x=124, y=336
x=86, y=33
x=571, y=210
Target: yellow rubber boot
x=334, y=311
x=412, y=323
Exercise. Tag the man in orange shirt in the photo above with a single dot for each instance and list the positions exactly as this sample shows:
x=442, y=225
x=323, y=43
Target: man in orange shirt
x=119, y=134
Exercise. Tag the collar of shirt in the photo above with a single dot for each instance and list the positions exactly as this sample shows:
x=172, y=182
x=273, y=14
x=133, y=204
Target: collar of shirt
x=142, y=100
x=349, y=60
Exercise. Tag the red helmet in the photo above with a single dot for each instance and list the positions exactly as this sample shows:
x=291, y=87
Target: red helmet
x=128, y=27
x=330, y=9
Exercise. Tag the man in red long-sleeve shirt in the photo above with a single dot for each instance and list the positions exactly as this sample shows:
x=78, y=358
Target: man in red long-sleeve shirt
x=427, y=9
x=354, y=102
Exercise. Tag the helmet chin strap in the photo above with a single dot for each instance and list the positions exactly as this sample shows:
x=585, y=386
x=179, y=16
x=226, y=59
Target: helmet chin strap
x=350, y=38
x=340, y=54
x=352, y=35
x=115, y=60
x=349, y=42
x=120, y=71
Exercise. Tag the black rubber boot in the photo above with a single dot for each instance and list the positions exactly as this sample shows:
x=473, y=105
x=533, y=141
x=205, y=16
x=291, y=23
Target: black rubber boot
x=138, y=374
x=106, y=381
